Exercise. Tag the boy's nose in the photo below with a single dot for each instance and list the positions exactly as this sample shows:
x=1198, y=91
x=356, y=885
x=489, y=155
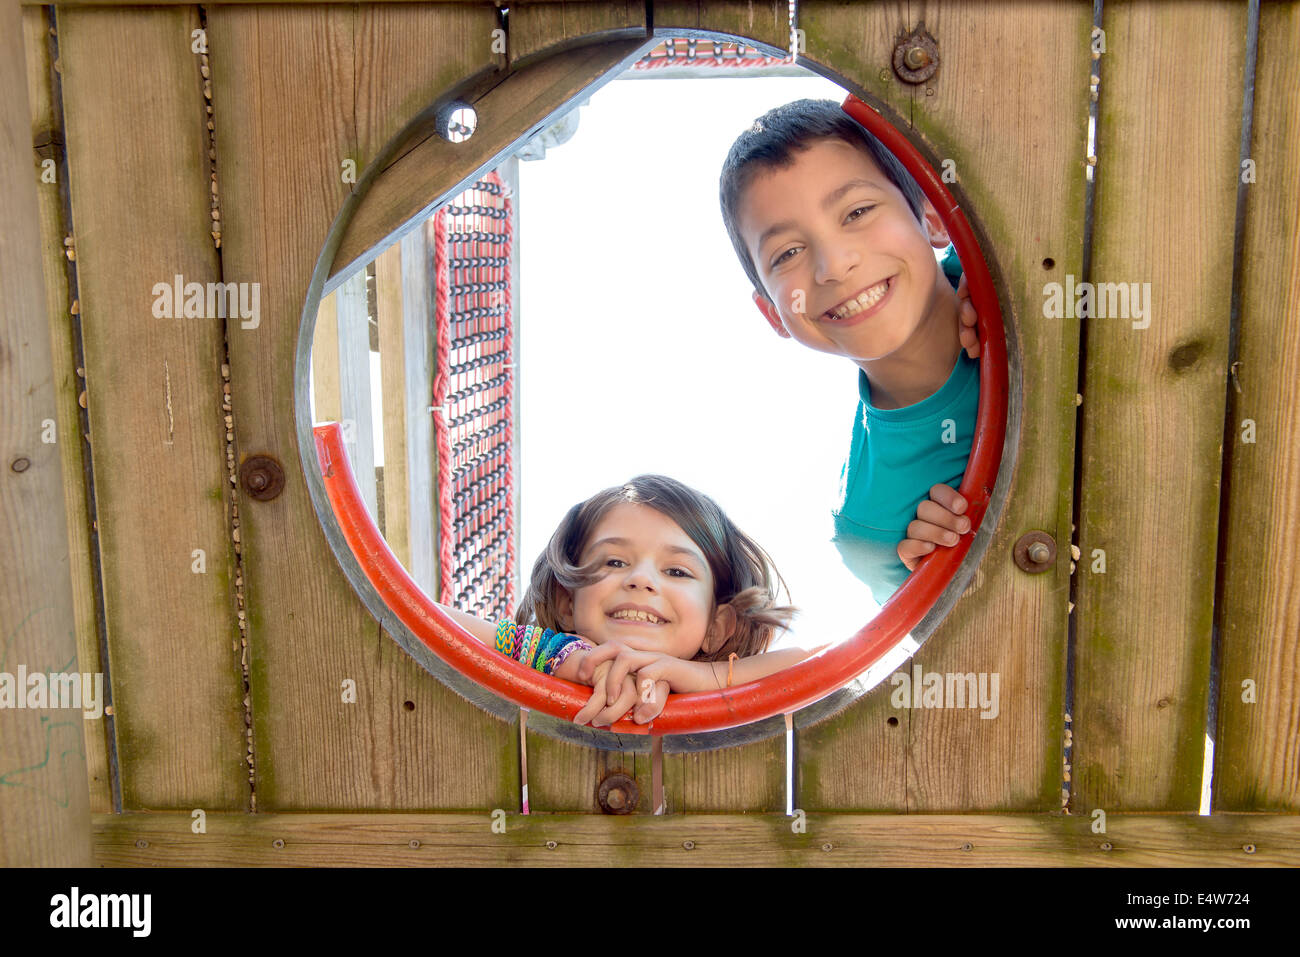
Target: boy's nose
x=834, y=262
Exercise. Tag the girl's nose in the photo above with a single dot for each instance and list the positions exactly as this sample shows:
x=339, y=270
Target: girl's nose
x=639, y=576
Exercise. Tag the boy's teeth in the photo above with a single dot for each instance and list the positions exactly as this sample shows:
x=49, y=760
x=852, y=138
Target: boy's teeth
x=865, y=300
x=632, y=615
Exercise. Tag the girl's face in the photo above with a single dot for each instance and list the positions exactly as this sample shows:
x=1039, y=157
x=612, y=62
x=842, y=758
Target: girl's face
x=657, y=589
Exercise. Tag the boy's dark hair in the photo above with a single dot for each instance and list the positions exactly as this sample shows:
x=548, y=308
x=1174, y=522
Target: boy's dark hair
x=743, y=574
x=771, y=144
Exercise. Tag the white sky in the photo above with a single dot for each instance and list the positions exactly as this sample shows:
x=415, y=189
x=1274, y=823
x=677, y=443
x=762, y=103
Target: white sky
x=642, y=351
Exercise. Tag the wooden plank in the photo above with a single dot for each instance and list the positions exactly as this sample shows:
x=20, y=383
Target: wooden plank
x=548, y=28
x=154, y=393
x=418, y=320
x=327, y=401
x=392, y=374
x=44, y=812
x=411, y=188
x=1255, y=748
x=563, y=776
x=354, y=385
x=1007, y=623
x=64, y=331
x=1153, y=403
x=408, y=742
x=767, y=21
x=706, y=840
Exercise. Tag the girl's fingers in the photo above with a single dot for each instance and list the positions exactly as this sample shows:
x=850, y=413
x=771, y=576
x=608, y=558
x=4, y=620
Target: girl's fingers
x=932, y=514
x=910, y=550
x=590, y=709
x=929, y=532
x=949, y=498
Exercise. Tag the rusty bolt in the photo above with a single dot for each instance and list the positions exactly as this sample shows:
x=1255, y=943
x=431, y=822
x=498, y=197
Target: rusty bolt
x=262, y=477
x=1035, y=552
x=617, y=793
x=916, y=55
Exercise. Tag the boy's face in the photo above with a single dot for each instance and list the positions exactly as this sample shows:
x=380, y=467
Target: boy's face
x=850, y=270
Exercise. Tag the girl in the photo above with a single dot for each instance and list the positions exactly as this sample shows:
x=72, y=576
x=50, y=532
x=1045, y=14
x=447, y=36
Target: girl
x=656, y=575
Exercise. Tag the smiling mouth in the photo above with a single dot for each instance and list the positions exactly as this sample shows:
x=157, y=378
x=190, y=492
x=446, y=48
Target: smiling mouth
x=862, y=302
x=631, y=614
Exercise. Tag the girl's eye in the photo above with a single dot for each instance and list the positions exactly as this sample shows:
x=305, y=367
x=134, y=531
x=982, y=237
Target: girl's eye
x=615, y=562
x=861, y=209
x=679, y=573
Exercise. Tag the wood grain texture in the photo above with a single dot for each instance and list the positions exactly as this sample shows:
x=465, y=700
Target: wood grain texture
x=284, y=81
x=1256, y=752
x=354, y=385
x=44, y=812
x=327, y=401
x=433, y=169
x=766, y=20
x=392, y=376
x=707, y=840
x=64, y=328
x=981, y=112
x=1153, y=402
x=141, y=214
x=547, y=28
x=564, y=777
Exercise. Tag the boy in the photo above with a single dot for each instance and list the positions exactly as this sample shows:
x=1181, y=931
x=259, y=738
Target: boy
x=838, y=242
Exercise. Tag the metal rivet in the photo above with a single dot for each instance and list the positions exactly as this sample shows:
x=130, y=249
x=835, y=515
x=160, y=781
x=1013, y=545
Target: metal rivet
x=916, y=56
x=413, y=845
x=618, y=793
x=21, y=465
x=1035, y=552
x=1248, y=848
x=1107, y=845
x=551, y=845
x=689, y=845
x=262, y=477
x=278, y=843
x=142, y=844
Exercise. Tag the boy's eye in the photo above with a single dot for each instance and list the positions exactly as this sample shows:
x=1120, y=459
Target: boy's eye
x=861, y=211
x=784, y=256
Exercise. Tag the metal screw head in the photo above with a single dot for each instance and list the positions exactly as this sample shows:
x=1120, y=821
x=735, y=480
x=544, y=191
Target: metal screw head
x=1107, y=845
x=278, y=843
x=1248, y=848
x=262, y=477
x=916, y=56
x=413, y=844
x=618, y=793
x=827, y=846
x=1035, y=552
x=688, y=845
x=551, y=845
x=142, y=844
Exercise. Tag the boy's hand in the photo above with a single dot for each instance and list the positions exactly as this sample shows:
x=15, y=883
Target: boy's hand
x=969, y=340
x=938, y=521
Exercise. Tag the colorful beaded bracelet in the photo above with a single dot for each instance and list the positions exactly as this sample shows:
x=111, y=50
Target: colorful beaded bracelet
x=532, y=646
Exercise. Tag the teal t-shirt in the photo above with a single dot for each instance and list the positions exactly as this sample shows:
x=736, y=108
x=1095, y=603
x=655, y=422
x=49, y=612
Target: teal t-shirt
x=895, y=457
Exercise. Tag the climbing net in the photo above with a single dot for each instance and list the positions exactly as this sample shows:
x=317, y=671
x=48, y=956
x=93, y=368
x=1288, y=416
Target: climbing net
x=473, y=398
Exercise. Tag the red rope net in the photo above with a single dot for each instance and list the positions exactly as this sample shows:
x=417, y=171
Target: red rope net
x=690, y=52
x=473, y=397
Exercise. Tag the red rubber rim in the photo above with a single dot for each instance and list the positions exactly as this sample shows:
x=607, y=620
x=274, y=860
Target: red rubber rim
x=781, y=693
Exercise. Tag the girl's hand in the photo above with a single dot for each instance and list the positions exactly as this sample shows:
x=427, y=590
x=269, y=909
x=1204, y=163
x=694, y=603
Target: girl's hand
x=599, y=709
x=969, y=339
x=938, y=522
x=648, y=665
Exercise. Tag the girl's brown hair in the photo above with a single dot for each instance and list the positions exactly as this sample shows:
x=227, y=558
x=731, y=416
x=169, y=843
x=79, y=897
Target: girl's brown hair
x=743, y=574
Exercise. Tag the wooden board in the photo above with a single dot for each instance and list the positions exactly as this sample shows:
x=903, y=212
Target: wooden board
x=44, y=813
x=284, y=81
x=64, y=335
x=392, y=375
x=1007, y=623
x=550, y=27
x=723, y=840
x=1153, y=403
x=1255, y=748
x=140, y=210
x=767, y=20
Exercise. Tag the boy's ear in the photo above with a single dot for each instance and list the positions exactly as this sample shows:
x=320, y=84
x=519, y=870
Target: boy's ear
x=934, y=226
x=770, y=314
x=724, y=625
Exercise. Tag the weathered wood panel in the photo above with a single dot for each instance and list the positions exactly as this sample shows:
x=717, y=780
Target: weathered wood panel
x=978, y=112
x=767, y=20
x=140, y=210
x=64, y=330
x=44, y=813
x=392, y=376
x=354, y=385
x=408, y=742
x=1256, y=752
x=730, y=840
x=1153, y=402
x=550, y=27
